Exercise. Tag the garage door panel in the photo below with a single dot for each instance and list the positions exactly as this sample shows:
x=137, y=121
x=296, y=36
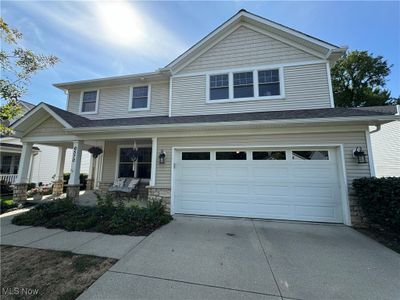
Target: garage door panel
x=270, y=189
x=278, y=189
x=231, y=172
x=232, y=188
x=270, y=172
x=315, y=211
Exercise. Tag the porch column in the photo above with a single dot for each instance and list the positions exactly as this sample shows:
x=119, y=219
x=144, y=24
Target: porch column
x=90, y=179
x=21, y=184
x=12, y=164
x=153, y=161
x=74, y=183
x=58, y=182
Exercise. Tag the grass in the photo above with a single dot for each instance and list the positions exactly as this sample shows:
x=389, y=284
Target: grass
x=6, y=203
x=105, y=218
x=52, y=274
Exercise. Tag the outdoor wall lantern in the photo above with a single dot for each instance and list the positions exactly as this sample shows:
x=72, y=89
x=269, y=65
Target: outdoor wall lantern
x=359, y=155
x=162, y=157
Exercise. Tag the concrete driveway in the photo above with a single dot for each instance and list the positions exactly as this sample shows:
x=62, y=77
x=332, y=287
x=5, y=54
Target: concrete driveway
x=215, y=258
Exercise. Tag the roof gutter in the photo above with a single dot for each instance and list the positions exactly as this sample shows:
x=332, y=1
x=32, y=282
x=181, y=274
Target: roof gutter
x=383, y=119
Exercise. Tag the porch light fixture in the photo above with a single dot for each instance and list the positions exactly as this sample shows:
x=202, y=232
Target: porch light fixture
x=359, y=155
x=162, y=157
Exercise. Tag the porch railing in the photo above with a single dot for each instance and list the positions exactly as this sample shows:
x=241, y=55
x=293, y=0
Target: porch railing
x=8, y=178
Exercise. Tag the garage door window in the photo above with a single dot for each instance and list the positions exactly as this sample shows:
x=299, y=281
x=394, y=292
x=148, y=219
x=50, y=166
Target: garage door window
x=310, y=155
x=269, y=155
x=195, y=155
x=237, y=155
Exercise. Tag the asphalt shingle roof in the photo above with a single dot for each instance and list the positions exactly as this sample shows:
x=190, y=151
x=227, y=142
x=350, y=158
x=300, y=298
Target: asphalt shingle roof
x=79, y=121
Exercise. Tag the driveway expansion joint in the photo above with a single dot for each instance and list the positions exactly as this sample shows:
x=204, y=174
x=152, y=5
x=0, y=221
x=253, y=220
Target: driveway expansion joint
x=84, y=243
x=266, y=258
x=3, y=235
x=27, y=245
x=194, y=283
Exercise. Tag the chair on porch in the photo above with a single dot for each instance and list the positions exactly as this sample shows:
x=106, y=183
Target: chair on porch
x=126, y=186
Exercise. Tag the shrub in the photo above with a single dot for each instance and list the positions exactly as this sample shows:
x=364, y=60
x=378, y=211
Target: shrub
x=380, y=200
x=105, y=217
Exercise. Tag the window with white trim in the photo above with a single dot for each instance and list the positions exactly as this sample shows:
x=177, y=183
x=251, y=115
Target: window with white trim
x=219, y=87
x=89, y=101
x=268, y=83
x=243, y=86
x=140, y=97
x=139, y=168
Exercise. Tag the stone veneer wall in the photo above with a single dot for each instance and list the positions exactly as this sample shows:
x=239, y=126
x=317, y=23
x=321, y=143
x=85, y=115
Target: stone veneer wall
x=19, y=192
x=58, y=186
x=160, y=194
x=358, y=218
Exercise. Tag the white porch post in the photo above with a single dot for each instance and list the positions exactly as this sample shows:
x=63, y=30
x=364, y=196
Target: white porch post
x=76, y=163
x=153, y=161
x=58, y=183
x=60, y=163
x=21, y=184
x=74, y=183
x=24, y=163
x=90, y=179
x=12, y=164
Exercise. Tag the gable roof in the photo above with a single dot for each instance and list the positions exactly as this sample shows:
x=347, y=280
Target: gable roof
x=304, y=41
x=74, y=121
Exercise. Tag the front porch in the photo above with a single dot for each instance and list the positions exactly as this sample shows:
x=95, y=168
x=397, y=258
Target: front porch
x=119, y=159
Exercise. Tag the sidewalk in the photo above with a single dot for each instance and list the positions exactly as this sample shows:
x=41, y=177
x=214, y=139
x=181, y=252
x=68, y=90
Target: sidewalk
x=90, y=243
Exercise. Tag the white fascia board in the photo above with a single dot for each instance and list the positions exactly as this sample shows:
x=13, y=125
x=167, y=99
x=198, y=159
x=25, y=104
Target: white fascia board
x=382, y=119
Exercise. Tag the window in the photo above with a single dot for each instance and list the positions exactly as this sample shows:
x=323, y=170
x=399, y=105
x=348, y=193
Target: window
x=269, y=155
x=89, y=101
x=219, y=87
x=268, y=83
x=243, y=85
x=237, y=155
x=140, y=97
x=310, y=155
x=195, y=155
x=127, y=166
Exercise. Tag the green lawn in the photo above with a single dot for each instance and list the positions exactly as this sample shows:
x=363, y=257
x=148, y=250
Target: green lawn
x=7, y=200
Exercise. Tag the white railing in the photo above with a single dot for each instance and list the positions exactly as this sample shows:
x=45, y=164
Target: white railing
x=8, y=178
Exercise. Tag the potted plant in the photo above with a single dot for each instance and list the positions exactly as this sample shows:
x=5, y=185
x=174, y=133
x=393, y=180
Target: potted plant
x=36, y=194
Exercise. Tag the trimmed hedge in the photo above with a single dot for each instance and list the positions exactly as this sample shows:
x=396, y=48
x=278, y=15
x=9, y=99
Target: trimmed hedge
x=105, y=217
x=379, y=198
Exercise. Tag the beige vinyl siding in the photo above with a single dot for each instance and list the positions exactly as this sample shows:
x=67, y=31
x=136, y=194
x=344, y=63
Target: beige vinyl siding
x=350, y=140
x=306, y=87
x=246, y=47
x=50, y=127
x=385, y=148
x=114, y=102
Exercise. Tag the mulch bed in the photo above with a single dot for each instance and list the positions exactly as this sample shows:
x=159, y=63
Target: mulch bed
x=389, y=239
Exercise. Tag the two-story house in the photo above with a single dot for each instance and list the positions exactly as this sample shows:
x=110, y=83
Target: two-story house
x=242, y=124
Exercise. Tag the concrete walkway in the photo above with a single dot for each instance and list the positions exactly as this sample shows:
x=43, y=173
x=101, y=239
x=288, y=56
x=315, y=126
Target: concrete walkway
x=216, y=258
x=90, y=243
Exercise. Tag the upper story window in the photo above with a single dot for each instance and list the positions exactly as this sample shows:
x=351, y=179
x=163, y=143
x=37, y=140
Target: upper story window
x=219, y=87
x=260, y=83
x=268, y=83
x=139, y=98
x=89, y=101
x=243, y=85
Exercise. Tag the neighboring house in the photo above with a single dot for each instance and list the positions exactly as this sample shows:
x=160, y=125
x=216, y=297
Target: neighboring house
x=242, y=124
x=43, y=158
x=385, y=142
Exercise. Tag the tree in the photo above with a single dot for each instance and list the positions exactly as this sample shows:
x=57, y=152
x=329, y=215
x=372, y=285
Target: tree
x=18, y=65
x=359, y=79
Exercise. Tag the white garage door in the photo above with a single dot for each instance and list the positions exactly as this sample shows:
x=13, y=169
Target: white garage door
x=290, y=184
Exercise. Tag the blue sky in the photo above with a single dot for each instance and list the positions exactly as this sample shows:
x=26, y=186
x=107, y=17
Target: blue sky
x=86, y=35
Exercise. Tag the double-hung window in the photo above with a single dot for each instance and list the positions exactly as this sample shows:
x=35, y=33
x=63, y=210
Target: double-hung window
x=89, y=101
x=219, y=87
x=140, y=97
x=243, y=85
x=268, y=83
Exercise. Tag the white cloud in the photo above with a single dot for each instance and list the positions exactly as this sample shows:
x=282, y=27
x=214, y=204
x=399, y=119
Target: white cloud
x=114, y=25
